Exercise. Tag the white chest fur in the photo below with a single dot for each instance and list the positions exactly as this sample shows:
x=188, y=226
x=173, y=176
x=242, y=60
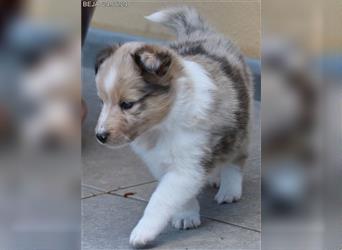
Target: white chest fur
x=173, y=150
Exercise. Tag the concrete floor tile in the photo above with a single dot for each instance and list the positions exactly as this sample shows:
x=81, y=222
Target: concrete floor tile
x=110, y=169
x=108, y=221
x=246, y=212
x=210, y=235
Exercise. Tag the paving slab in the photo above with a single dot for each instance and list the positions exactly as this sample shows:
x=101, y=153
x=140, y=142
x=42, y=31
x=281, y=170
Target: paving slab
x=245, y=213
x=108, y=221
x=109, y=169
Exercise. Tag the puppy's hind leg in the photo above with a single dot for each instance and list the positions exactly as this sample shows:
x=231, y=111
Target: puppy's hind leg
x=230, y=184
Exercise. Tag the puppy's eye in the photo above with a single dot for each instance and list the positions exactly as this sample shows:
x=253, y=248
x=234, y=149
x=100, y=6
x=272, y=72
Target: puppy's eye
x=126, y=105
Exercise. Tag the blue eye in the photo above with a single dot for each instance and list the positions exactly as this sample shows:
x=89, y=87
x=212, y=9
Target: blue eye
x=126, y=105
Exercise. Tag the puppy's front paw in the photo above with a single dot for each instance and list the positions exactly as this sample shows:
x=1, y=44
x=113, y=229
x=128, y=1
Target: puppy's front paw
x=231, y=185
x=228, y=195
x=141, y=235
x=186, y=220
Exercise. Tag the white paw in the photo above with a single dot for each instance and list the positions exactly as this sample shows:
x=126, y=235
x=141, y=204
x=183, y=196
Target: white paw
x=141, y=235
x=231, y=185
x=225, y=195
x=186, y=220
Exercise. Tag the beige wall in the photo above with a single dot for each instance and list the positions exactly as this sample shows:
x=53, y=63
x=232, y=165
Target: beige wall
x=239, y=20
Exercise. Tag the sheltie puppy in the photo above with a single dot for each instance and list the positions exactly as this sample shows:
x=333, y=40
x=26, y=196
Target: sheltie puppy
x=185, y=109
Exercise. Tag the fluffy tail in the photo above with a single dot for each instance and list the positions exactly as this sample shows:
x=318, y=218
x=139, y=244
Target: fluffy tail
x=182, y=20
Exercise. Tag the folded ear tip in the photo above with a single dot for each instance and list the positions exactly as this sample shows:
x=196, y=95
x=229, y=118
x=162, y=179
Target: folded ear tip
x=152, y=60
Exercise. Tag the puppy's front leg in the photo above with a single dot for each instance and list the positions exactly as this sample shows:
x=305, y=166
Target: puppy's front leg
x=174, y=191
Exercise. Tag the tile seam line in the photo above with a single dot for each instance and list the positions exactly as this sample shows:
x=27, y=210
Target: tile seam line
x=232, y=224
x=87, y=197
x=126, y=187
x=112, y=192
x=116, y=189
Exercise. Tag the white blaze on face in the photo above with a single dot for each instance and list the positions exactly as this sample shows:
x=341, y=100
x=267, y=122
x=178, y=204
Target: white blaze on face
x=108, y=87
x=109, y=82
x=101, y=123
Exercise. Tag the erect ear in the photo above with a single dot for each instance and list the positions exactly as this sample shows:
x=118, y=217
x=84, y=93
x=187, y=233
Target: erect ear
x=152, y=61
x=104, y=54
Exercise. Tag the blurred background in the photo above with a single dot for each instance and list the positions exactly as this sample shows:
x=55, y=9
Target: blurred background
x=239, y=20
x=40, y=124
x=301, y=125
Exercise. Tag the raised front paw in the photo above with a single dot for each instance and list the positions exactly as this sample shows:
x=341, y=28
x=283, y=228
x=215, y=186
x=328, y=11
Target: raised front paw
x=141, y=235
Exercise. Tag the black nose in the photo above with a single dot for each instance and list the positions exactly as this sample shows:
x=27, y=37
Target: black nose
x=102, y=137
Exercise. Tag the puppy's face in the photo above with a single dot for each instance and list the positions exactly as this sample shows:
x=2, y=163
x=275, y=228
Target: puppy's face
x=136, y=85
